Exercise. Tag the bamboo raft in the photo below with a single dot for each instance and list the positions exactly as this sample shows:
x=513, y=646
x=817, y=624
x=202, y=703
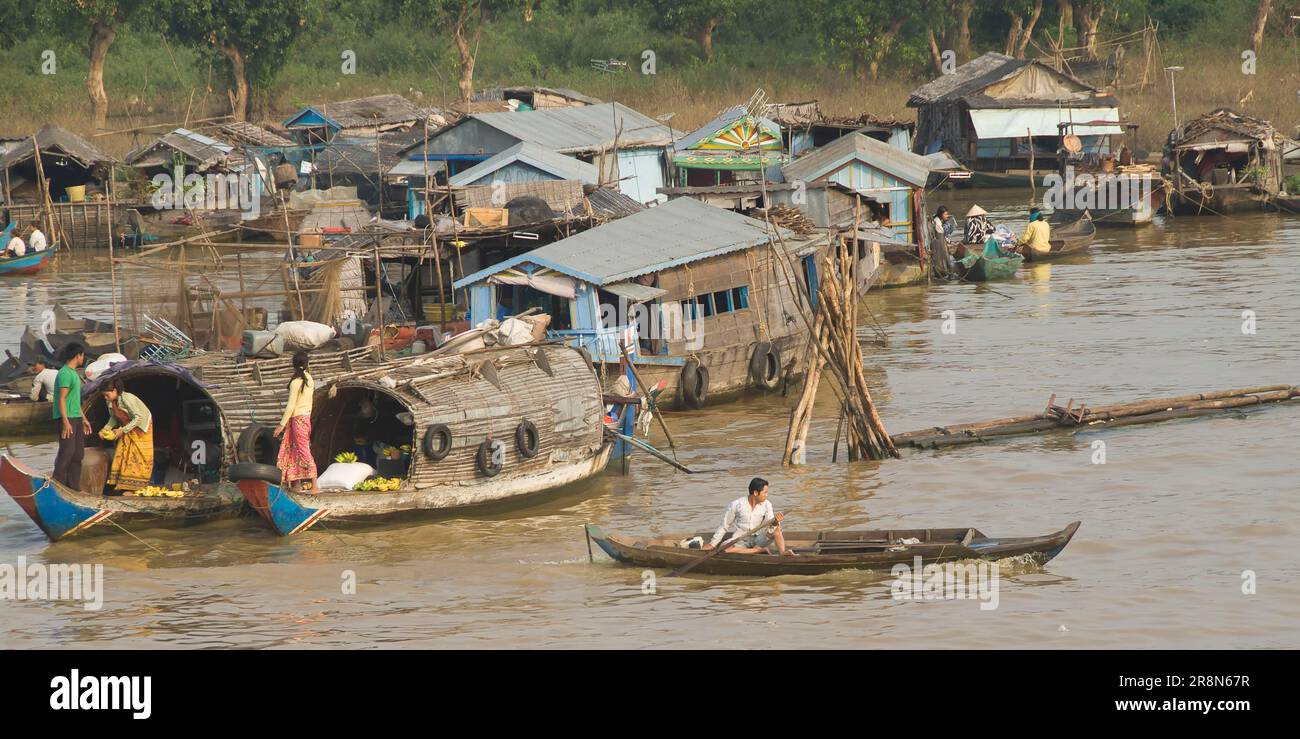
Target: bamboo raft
x=1055, y=417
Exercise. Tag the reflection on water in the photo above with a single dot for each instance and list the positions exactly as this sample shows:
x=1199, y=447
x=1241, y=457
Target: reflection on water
x=1170, y=522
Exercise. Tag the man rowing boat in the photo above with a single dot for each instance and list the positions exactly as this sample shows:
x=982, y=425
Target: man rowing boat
x=747, y=514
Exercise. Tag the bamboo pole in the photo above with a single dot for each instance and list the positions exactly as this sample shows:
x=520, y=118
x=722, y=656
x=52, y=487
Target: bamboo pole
x=112, y=265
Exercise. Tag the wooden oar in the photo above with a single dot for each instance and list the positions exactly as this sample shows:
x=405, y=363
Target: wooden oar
x=720, y=549
x=654, y=407
x=645, y=446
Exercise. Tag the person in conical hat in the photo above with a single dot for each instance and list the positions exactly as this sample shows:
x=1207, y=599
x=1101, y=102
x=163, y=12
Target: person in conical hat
x=978, y=228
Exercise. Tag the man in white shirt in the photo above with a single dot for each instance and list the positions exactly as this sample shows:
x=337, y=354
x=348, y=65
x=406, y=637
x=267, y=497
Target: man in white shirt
x=16, y=247
x=43, y=383
x=36, y=240
x=746, y=514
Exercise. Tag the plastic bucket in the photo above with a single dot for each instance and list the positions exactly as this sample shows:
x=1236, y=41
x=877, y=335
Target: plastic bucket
x=76, y=194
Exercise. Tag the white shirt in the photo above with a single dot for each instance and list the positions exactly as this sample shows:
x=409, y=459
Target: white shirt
x=36, y=241
x=44, y=379
x=740, y=518
x=16, y=247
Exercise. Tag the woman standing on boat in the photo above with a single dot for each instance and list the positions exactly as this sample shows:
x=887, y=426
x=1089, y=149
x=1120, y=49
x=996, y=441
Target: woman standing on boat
x=131, y=425
x=295, y=460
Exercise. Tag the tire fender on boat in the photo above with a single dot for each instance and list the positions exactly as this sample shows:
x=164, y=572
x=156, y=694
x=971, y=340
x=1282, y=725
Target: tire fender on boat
x=251, y=438
x=527, y=439
x=255, y=471
x=695, y=383
x=437, y=441
x=485, y=458
x=765, y=365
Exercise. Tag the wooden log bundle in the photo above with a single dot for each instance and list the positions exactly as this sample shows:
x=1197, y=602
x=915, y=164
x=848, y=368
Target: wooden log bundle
x=1123, y=414
x=833, y=345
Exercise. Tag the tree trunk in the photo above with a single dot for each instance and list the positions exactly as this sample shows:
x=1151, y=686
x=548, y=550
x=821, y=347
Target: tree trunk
x=238, y=92
x=1027, y=35
x=1087, y=21
x=1065, y=19
x=101, y=37
x=883, y=42
x=1013, y=34
x=965, y=8
x=936, y=55
x=1261, y=21
x=704, y=37
x=466, y=46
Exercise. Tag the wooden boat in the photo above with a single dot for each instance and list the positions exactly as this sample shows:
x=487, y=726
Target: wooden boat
x=22, y=417
x=975, y=268
x=61, y=512
x=818, y=552
x=1066, y=239
x=29, y=263
x=98, y=337
x=487, y=427
x=272, y=224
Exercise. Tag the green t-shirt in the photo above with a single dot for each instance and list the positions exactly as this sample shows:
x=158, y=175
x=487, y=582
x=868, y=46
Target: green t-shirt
x=68, y=378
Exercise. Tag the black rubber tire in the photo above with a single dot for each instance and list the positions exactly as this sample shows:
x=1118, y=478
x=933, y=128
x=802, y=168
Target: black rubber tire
x=695, y=384
x=527, y=439
x=254, y=438
x=765, y=366
x=254, y=471
x=432, y=449
x=483, y=459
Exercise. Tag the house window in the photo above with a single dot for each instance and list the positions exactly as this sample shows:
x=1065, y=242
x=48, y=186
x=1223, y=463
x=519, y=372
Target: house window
x=722, y=301
x=740, y=297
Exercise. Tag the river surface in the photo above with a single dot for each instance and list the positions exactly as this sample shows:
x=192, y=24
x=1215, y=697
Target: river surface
x=1171, y=521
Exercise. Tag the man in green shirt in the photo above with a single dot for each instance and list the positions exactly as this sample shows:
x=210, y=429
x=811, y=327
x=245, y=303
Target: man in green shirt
x=73, y=427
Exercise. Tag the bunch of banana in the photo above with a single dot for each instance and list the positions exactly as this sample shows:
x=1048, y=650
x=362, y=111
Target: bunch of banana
x=345, y=457
x=153, y=491
x=379, y=484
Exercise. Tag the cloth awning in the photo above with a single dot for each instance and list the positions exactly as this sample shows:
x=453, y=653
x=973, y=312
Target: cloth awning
x=1002, y=123
x=635, y=293
x=557, y=285
x=1232, y=147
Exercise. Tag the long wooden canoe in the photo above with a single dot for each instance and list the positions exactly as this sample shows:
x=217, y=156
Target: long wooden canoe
x=61, y=512
x=1066, y=239
x=29, y=263
x=826, y=551
x=23, y=417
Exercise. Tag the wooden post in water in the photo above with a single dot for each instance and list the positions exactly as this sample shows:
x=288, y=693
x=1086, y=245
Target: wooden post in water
x=112, y=265
x=379, y=298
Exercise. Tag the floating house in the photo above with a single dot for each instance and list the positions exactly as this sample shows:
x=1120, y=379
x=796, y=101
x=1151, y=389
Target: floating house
x=317, y=124
x=690, y=290
x=627, y=147
x=737, y=145
x=527, y=98
x=805, y=127
x=999, y=115
x=75, y=171
x=527, y=162
x=1223, y=162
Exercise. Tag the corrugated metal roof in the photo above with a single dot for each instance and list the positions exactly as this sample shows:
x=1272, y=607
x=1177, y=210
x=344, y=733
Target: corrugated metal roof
x=204, y=151
x=722, y=122
x=973, y=76
x=376, y=110
x=612, y=203
x=560, y=166
x=368, y=155
x=500, y=93
x=904, y=165
x=678, y=232
x=587, y=129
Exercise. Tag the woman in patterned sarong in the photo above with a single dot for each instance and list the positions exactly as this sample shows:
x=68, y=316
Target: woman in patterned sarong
x=295, y=460
x=130, y=424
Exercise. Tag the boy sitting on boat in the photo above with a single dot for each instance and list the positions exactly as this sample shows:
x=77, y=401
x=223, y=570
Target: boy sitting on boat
x=745, y=516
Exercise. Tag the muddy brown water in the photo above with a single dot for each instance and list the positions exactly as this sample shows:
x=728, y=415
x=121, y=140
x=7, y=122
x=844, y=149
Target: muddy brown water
x=1170, y=522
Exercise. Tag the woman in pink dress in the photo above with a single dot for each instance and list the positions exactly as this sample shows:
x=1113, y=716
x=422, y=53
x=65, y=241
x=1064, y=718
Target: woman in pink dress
x=295, y=460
